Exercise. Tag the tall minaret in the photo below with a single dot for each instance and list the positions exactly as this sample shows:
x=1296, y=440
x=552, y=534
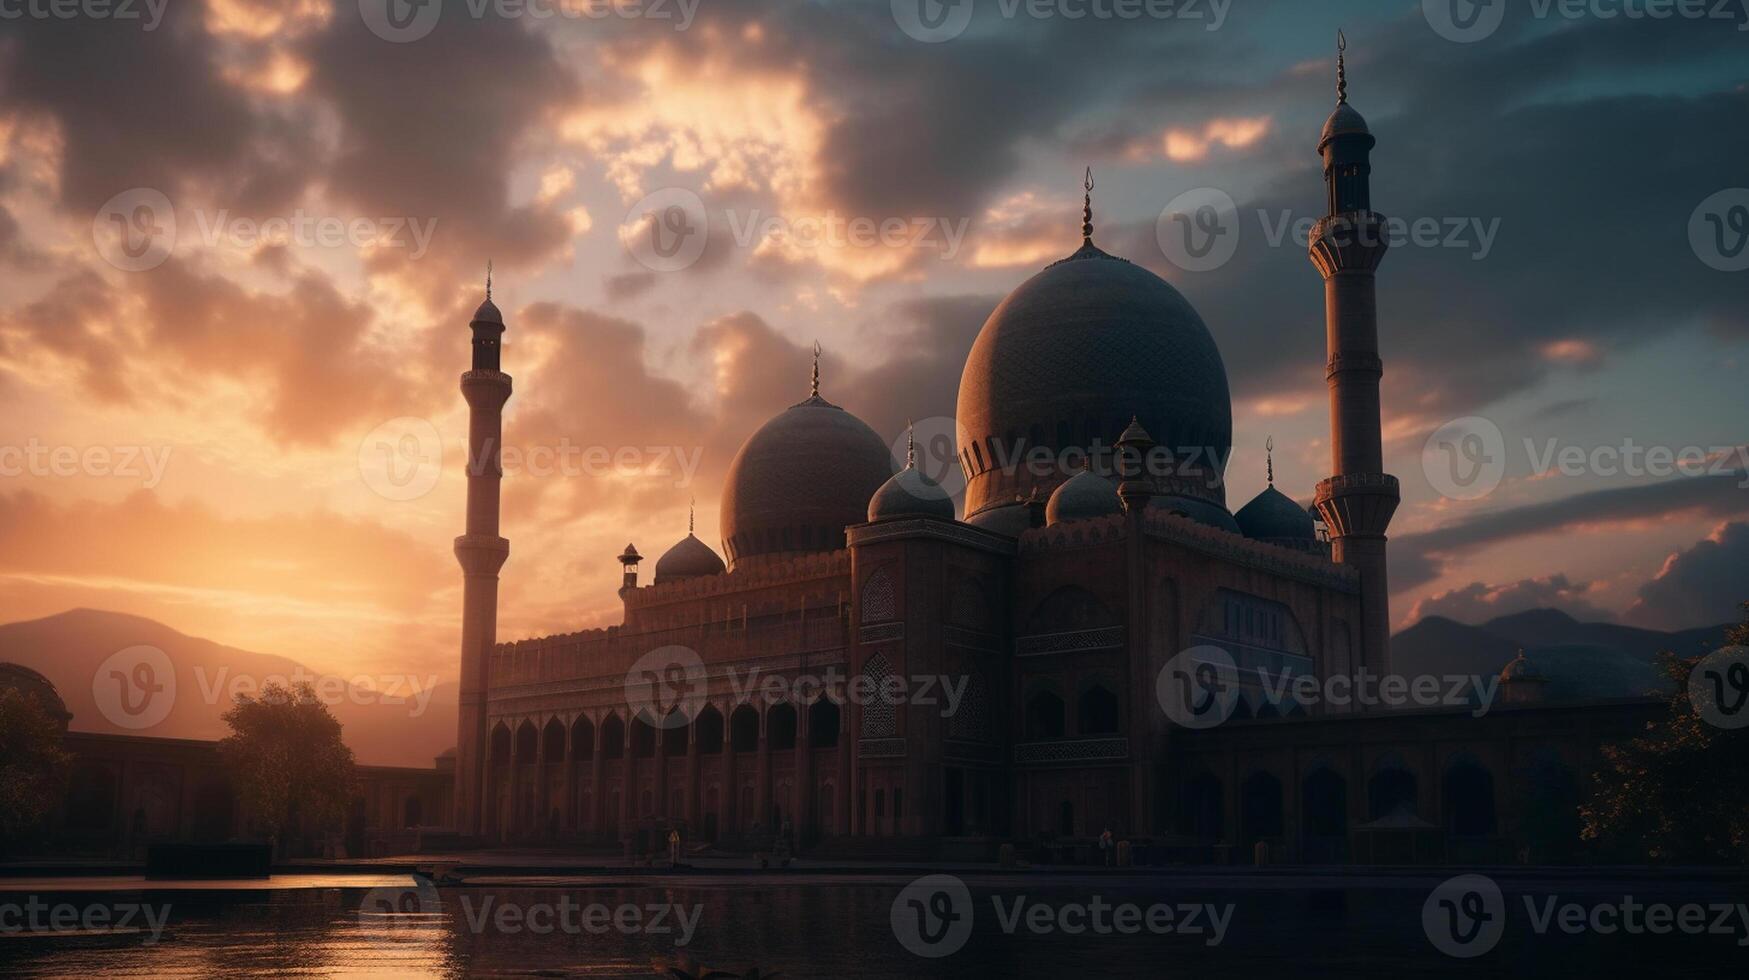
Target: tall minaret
x=481, y=552
x=1347, y=245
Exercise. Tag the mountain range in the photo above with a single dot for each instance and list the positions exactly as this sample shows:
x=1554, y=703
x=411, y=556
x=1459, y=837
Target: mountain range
x=403, y=723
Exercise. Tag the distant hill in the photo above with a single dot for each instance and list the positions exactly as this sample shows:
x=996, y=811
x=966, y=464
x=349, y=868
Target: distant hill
x=69, y=648
x=1582, y=660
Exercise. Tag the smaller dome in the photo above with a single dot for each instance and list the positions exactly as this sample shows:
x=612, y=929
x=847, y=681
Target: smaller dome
x=910, y=493
x=1198, y=510
x=1345, y=121
x=1010, y=520
x=488, y=313
x=1081, y=497
x=1521, y=669
x=1272, y=516
x=691, y=558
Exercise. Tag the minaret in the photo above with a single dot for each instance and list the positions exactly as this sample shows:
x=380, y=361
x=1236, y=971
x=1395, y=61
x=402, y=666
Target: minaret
x=1347, y=245
x=481, y=552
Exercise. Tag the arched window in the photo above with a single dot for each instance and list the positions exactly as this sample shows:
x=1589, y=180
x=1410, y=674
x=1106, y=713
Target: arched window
x=526, y=743
x=1389, y=790
x=553, y=741
x=879, y=713
x=1044, y=715
x=1260, y=807
x=674, y=734
x=1097, y=711
x=583, y=739
x=1469, y=800
x=613, y=739
x=643, y=739
x=708, y=730
x=500, y=751
x=823, y=716
x=780, y=726
x=744, y=729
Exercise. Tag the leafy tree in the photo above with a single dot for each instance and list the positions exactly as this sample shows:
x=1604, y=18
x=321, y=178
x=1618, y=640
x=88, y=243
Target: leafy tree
x=1679, y=793
x=33, y=765
x=293, y=773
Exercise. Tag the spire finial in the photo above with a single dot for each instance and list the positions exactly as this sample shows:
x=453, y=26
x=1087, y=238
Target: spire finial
x=814, y=391
x=1341, y=67
x=691, y=515
x=488, y=278
x=910, y=444
x=1087, y=208
x=1269, y=453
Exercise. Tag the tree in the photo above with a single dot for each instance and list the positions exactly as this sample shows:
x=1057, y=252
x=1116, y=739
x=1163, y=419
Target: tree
x=293, y=774
x=33, y=765
x=1680, y=793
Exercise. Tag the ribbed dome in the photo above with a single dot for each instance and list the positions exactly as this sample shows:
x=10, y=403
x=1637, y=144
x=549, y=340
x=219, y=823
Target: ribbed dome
x=1010, y=518
x=1084, y=495
x=1273, y=516
x=800, y=480
x=910, y=493
x=488, y=312
x=1198, y=510
x=691, y=558
x=1066, y=361
x=1345, y=121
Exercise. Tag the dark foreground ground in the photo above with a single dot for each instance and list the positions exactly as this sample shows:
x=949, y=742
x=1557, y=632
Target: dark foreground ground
x=529, y=914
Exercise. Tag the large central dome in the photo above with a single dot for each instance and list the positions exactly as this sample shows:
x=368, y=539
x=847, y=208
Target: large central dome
x=800, y=480
x=1068, y=359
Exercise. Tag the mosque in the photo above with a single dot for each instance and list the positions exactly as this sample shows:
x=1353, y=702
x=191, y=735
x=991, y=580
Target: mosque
x=1018, y=650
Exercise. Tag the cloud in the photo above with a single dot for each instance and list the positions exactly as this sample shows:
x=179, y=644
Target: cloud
x=1479, y=602
x=1418, y=558
x=1702, y=586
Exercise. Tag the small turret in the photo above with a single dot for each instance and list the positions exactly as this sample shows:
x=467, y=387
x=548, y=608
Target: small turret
x=629, y=558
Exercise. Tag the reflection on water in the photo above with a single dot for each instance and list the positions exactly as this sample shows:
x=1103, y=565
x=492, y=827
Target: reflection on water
x=820, y=927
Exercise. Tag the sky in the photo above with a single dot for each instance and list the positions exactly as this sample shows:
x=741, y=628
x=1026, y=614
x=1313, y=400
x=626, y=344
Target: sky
x=240, y=241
